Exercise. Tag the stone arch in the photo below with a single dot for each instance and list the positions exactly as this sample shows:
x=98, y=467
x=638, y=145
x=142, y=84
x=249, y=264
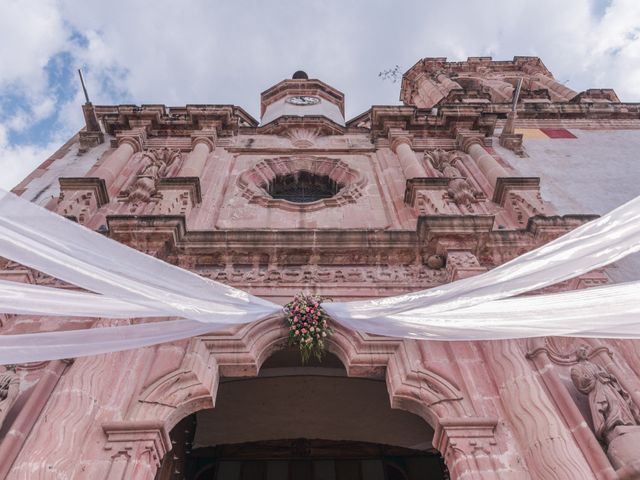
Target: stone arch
x=410, y=385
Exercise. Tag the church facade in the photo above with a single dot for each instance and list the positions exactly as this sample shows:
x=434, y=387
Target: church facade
x=483, y=161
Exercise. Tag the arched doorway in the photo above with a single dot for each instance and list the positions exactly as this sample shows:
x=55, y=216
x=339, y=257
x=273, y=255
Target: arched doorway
x=302, y=422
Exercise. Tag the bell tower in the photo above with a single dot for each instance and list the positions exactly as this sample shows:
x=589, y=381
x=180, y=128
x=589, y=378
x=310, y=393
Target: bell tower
x=301, y=97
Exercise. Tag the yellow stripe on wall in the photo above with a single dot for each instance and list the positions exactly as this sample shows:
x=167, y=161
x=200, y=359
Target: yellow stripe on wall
x=531, y=133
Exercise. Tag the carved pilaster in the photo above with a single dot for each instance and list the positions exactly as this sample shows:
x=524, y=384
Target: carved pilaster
x=135, y=138
x=472, y=143
x=548, y=447
x=136, y=449
x=462, y=264
x=402, y=146
x=546, y=355
x=468, y=446
x=81, y=197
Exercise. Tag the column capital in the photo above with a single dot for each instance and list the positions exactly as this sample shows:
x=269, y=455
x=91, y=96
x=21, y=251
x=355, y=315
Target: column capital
x=129, y=436
x=397, y=140
x=135, y=138
x=208, y=137
x=466, y=139
x=466, y=437
x=462, y=264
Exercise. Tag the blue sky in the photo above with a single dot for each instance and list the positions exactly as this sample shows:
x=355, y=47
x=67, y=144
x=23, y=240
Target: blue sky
x=228, y=52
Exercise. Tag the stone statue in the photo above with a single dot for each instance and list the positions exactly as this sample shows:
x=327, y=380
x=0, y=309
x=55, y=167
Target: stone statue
x=614, y=413
x=459, y=189
x=9, y=390
x=156, y=164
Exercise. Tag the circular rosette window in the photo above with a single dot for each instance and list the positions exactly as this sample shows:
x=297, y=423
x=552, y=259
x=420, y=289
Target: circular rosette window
x=301, y=183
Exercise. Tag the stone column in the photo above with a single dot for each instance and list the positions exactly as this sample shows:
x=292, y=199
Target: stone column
x=547, y=445
x=202, y=144
x=411, y=167
x=22, y=425
x=128, y=144
x=487, y=164
x=447, y=84
x=554, y=86
x=136, y=449
x=471, y=452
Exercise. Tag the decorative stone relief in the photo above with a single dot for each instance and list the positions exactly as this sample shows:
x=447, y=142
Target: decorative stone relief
x=155, y=165
x=254, y=183
x=459, y=189
x=616, y=418
x=9, y=391
x=302, y=137
x=413, y=275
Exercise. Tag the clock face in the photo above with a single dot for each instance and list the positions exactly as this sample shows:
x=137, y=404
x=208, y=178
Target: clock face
x=303, y=100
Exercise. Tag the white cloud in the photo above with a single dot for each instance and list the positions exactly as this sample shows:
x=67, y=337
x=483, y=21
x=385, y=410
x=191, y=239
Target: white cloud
x=228, y=52
x=17, y=161
x=32, y=32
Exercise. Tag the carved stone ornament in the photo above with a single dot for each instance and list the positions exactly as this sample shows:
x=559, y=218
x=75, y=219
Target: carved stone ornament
x=254, y=183
x=616, y=418
x=155, y=165
x=303, y=137
x=9, y=390
x=459, y=189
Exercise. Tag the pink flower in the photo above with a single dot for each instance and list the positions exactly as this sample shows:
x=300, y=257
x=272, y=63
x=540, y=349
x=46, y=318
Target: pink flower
x=304, y=330
x=297, y=333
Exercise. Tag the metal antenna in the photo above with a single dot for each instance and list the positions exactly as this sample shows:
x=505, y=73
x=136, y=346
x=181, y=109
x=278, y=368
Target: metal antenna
x=516, y=95
x=84, y=89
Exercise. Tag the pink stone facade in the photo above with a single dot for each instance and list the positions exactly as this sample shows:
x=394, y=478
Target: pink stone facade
x=429, y=192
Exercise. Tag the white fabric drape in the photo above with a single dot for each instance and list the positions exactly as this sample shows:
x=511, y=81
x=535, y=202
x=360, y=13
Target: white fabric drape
x=602, y=312
x=131, y=284
x=50, y=243
x=36, y=347
x=611, y=311
x=592, y=245
x=28, y=299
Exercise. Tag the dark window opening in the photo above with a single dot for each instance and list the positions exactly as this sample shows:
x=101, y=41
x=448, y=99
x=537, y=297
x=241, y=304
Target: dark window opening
x=302, y=187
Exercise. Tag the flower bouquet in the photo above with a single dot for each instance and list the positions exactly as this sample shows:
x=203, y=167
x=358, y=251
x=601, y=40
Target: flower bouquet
x=308, y=325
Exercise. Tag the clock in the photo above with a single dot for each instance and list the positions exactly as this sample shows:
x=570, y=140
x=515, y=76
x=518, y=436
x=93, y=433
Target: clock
x=303, y=100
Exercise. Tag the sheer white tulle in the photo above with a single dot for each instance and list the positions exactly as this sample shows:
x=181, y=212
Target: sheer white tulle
x=130, y=284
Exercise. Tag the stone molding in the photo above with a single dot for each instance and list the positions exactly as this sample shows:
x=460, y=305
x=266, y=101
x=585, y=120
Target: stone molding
x=465, y=434
x=397, y=140
x=94, y=185
x=135, y=138
x=207, y=137
x=466, y=139
x=419, y=184
x=191, y=185
x=253, y=182
x=506, y=184
x=192, y=385
x=130, y=437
